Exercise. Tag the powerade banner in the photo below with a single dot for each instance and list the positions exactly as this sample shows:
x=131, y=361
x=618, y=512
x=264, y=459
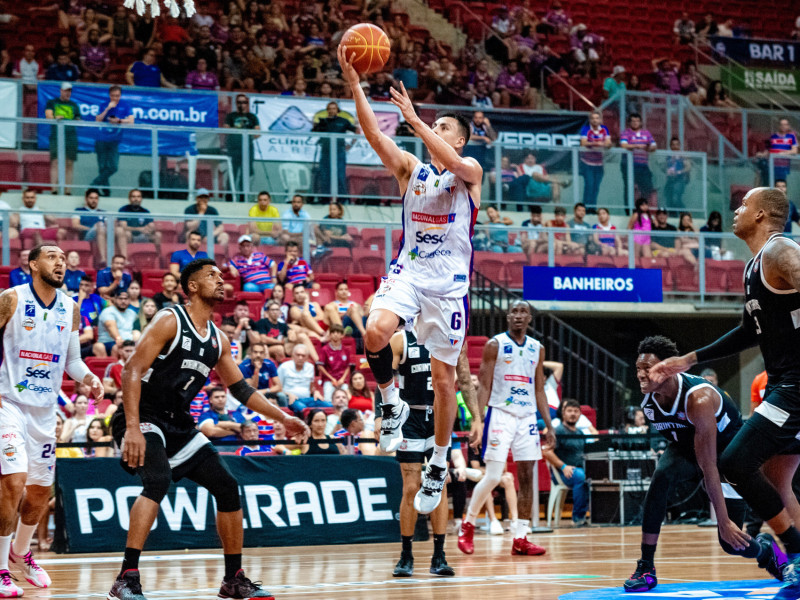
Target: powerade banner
x=778, y=53
x=287, y=501
x=150, y=107
x=538, y=129
x=582, y=284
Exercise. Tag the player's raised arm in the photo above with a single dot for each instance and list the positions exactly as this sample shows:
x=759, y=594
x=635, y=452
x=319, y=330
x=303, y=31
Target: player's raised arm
x=399, y=162
x=162, y=331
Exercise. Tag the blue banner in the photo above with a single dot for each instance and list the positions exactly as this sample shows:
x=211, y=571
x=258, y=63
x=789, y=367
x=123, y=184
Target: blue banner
x=748, y=51
x=581, y=284
x=148, y=106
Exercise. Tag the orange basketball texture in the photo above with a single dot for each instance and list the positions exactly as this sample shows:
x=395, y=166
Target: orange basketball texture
x=369, y=47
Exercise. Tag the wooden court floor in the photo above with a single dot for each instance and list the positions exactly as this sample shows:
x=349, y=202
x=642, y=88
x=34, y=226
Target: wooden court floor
x=582, y=559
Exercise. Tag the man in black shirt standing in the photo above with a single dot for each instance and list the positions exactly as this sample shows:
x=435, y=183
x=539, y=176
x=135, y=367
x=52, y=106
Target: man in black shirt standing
x=241, y=118
x=333, y=123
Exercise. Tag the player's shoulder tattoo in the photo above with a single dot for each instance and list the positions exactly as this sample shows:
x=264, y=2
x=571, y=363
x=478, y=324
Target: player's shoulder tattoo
x=8, y=304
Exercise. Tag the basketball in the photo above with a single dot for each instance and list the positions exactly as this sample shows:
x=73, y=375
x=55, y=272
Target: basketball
x=369, y=47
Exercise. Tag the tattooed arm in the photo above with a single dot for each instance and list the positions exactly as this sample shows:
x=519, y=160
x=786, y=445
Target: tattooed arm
x=470, y=397
x=781, y=264
x=8, y=304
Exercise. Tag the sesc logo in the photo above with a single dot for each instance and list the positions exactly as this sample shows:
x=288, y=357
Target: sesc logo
x=37, y=373
x=515, y=391
x=430, y=238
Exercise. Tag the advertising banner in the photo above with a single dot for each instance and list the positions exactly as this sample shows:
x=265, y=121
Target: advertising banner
x=761, y=78
x=149, y=107
x=292, y=501
x=9, y=107
x=581, y=284
x=779, y=53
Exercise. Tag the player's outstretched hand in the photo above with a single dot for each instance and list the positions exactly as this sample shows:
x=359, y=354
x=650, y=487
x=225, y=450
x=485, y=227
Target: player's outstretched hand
x=133, y=445
x=549, y=439
x=349, y=73
x=730, y=533
x=296, y=429
x=401, y=100
x=97, y=388
x=669, y=367
x=475, y=434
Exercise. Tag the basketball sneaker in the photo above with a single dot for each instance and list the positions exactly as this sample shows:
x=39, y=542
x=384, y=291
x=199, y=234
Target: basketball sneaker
x=127, y=587
x=430, y=493
x=791, y=579
x=33, y=573
x=8, y=589
x=240, y=587
x=772, y=558
x=404, y=566
x=440, y=567
x=643, y=578
x=524, y=547
x=465, y=543
x=394, y=415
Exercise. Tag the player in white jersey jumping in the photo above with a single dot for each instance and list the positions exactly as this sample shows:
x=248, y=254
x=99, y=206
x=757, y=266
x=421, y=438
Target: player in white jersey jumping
x=512, y=384
x=429, y=279
x=39, y=325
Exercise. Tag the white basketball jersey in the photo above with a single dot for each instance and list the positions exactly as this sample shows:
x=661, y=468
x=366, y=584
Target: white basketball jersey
x=513, y=386
x=436, y=248
x=35, y=343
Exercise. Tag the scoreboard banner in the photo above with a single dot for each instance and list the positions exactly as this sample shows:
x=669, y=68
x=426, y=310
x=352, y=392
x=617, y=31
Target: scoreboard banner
x=584, y=284
x=775, y=53
x=287, y=501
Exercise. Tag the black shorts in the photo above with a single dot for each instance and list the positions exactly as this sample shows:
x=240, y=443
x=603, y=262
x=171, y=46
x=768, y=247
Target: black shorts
x=70, y=145
x=418, y=431
x=778, y=416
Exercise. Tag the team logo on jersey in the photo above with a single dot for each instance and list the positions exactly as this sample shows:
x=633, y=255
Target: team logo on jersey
x=28, y=324
x=30, y=309
x=186, y=343
x=454, y=340
x=37, y=373
x=450, y=189
x=214, y=341
x=9, y=451
x=648, y=412
x=32, y=387
x=423, y=174
x=60, y=309
x=414, y=253
x=413, y=353
x=681, y=415
x=61, y=325
x=202, y=351
x=418, y=188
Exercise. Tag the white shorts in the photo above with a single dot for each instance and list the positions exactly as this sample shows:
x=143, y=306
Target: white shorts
x=28, y=442
x=504, y=431
x=439, y=323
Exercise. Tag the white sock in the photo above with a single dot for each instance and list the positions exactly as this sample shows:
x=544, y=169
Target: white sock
x=23, y=537
x=5, y=546
x=522, y=529
x=390, y=394
x=439, y=457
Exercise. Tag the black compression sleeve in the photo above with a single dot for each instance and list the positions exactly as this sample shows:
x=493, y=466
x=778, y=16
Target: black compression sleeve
x=241, y=390
x=733, y=342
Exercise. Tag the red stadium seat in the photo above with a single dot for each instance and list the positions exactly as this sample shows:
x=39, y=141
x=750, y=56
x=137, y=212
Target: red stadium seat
x=369, y=262
x=339, y=261
x=98, y=365
x=513, y=273
x=605, y=262
x=10, y=171
x=735, y=270
x=684, y=275
x=490, y=265
x=475, y=344
x=563, y=260
x=716, y=276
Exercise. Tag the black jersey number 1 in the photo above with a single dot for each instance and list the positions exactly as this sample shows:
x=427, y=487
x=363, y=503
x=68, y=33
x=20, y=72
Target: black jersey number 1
x=188, y=383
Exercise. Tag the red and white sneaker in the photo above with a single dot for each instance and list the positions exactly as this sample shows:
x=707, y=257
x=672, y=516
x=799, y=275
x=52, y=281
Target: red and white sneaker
x=522, y=546
x=27, y=567
x=8, y=589
x=465, y=543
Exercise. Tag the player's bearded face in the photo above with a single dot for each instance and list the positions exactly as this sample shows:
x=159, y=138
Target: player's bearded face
x=51, y=265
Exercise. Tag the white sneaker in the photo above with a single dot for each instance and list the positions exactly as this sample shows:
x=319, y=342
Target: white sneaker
x=391, y=426
x=33, y=573
x=495, y=528
x=8, y=589
x=430, y=493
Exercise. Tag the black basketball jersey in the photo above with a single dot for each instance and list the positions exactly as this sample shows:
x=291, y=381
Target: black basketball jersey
x=180, y=371
x=415, y=373
x=674, y=424
x=774, y=316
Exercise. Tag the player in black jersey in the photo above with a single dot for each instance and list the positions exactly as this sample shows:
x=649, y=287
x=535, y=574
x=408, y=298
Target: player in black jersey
x=698, y=420
x=771, y=318
x=158, y=436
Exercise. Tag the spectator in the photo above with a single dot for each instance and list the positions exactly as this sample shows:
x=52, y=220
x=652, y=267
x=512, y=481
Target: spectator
x=640, y=221
x=540, y=184
x=139, y=230
x=181, y=258
x=32, y=224
x=481, y=137
x=578, y=224
x=725, y=29
x=113, y=278
x=361, y=397
x=481, y=98
x=319, y=442
x=297, y=378
x=336, y=124
x=243, y=331
x=293, y=221
x=714, y=222
x=106, y=145
x=594, y=135
x=63, y=70
x=116, y=325
x=567, y=457
x=563, y=241
x=781, y=143
x=147, y=73
x=353, y=429
x=514, y=88
x=406, y=73
x=241, y=118
x=218, y=423
x=75, y=427
x=120, y=27
x=264, y=232
x=691, y=83
x=308, y=316
x=757, y=390
x=333, y=233
x=663, y=245
x=718, y=96
x=201, y=207
x=273, y=332
x=614, y=83
x=497, y=232
x=707, y=27
x=533, y=240
x=481, y=74
x=683, y=29
x=256, y=269
x=687, y=246
x=640, y=142
x=95, y=59
x=508, y=175
x=112, y=378
x=73, y=275
x=710, y=375
x=91, y=305
x=63, y=109
x=22, y=274
x=666, y=73
x=250, y=433
x=557, y=19
x=261, y=373
x=794, y=214
x=584, y=47
x=91, y=228
x=146, y=313
x=169, y=295
x=294, y=271
x=608, y=243
x=344, y=311
x=334, y=362
x=97, y=433
x=27, y=68
x=678, y=174
x=339, y=399
x=229, y=329
x=135, y=295
x=201, y=78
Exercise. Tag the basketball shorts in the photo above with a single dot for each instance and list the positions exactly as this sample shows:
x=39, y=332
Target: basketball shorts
x=418, y=434
x=504, y=431
x=778, y=416
x=28, y=442
x=441, y=322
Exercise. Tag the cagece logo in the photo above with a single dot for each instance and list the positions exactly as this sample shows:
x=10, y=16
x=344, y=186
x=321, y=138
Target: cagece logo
x=37, y=373
x=32, y=387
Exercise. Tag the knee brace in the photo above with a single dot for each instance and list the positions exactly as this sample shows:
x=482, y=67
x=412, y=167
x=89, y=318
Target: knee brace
x=155, y=483
x=215, y=477
x=381, y=364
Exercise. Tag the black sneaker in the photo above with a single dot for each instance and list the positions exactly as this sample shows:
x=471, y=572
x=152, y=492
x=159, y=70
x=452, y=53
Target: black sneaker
x=430, y=493
x=772, y=559
x=127, y=587
x=240, y=587
x=404, y=566
x=643, y=578
x=440, y=567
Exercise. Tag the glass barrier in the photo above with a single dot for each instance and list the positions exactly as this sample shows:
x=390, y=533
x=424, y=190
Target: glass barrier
x=783, y=167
